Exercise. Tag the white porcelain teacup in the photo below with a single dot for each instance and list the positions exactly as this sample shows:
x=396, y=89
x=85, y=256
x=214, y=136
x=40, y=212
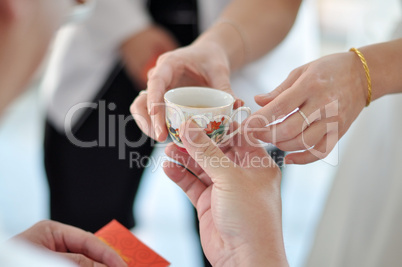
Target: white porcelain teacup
x=210, y=108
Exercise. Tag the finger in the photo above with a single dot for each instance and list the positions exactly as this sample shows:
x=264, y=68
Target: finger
x=220, y=79
x=81, y=260
x=191, y=185
x=238, y=103
x=306, y=139
x=264, y=99
x=139, y=112
x=159, y=121
x=150, y=72
x=201, y=148
x=158, y=83
x=285, y=100
x=281, y=106
x=188, y=162
x=320, y=151
x=290, y=128
x=241, y=147
x=80, y=242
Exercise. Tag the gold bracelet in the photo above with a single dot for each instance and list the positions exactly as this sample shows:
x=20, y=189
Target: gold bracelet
x=366, y=70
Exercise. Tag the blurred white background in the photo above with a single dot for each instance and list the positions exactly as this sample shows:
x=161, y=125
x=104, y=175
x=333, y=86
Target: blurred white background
x=166, y=223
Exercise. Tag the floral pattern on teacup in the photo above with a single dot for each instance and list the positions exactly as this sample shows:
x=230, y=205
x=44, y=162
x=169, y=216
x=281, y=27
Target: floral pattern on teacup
x=214, y=122
x=173, y=132
x=216, y=130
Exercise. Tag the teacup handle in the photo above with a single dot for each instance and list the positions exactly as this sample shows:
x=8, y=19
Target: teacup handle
x=245, y=109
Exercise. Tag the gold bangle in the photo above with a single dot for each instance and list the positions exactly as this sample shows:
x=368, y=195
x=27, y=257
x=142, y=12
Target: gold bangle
x=366, y=70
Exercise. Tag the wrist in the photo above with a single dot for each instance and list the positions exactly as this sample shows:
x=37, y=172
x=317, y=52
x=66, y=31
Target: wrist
x=384, y=62
x=365, y=77
x=229, y=39
x=264, y=247
x=358, y=80
x=264, y=257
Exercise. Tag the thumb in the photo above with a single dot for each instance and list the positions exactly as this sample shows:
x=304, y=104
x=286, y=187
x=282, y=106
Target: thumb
x=238, y=101
x=264, y=99
x=204, y=151
x=81, y=260
x=221, y=81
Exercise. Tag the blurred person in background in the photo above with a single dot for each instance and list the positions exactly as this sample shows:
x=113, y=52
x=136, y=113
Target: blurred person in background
x=91, y=184
x=26, y=29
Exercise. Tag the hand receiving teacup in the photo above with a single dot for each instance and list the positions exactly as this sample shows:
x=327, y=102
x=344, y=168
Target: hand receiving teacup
x=236, y=191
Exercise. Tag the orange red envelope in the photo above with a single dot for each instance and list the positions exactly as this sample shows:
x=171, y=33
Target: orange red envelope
x=131, y=249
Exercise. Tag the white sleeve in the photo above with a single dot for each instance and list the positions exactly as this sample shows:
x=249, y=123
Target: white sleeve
x=23, y=254
x=85, y=53
x=116, y=20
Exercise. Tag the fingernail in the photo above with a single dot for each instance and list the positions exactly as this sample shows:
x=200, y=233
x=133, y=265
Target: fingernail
x=288, y=162
x=182, y=149
x=240, y=102
x=193, y=133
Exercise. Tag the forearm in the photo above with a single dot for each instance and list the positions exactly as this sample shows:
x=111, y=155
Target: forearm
x=271, y=252
x=141, y=51
x=384, y=62
x=265, y=246
x=246, y=30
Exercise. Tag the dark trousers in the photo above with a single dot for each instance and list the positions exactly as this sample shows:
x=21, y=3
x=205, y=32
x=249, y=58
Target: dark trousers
x=91, y=186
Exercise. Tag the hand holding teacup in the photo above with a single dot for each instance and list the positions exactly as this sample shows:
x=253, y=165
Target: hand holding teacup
x=199, y=64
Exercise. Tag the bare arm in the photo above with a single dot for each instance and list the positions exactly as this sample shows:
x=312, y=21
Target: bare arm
x=251, y=28
x=384, y=62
